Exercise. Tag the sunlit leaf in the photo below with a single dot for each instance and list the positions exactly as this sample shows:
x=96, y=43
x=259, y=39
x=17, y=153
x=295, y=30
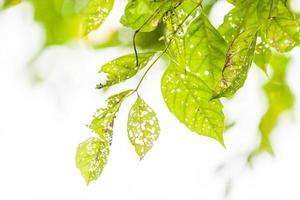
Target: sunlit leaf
x=95, y=13
x=143, y=127
x=196, y=68
x=91, y=158
x=123, y=68
x=282, y=34
x=238, y=61
x=262, y=56
x=8, y=3
x=103, y=121
x=242, y=17
x=144, y=15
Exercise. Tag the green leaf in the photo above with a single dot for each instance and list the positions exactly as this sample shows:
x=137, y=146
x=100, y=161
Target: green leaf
x=188, y=98
x=143, y=127
x=242, y=17
x=262, y=56
x=144, y=15
x=123, y=68
x=238, y=61
x=91, y=158
x=103, y=121
x=8, y=3
x=95, y=13
x=59, y=18
x=187, y=85
x=280, y=99
x=282, y=34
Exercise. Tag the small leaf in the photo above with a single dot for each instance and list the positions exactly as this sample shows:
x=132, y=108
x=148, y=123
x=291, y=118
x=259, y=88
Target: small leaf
x=91, y=158
x=262, y=56
x=144, y=15
x=123, y=68
x=238, y=61
x=103, y=121
x=95, y=13
x=143, y=127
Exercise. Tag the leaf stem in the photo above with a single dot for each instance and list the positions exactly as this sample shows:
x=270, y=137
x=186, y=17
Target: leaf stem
x=167, y=47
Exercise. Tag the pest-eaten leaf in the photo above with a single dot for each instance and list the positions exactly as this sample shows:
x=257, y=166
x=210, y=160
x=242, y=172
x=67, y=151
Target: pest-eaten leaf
x=144, y=15
x=143, y=127
x=91, y=158
x=187, y=85
x=238, y=61
x=282, y=34
x=242, y=17
x=123, y=68
x=103, y=121
x=95, y=13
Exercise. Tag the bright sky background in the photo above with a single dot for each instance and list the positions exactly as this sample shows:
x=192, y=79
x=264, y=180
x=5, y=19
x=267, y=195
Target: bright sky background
x=41, y=125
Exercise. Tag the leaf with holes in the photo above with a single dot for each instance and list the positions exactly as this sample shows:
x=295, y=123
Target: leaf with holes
x=91, y=158
x=196, y=68
x=262, y=56
x=103, y=121
x=123, y=68
x=282, y=34
x=188, y=98
x=95, y=13
x=238, y=61
x=143, y=127
x=243, y=16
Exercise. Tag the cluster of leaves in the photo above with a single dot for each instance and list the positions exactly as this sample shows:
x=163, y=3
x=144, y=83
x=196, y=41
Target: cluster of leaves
x=205, y=64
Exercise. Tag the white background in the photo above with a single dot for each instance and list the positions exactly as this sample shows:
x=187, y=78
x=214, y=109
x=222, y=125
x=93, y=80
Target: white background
x=41, y=125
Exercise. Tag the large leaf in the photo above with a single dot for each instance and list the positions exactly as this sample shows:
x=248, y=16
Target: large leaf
x=143, y=127
x=91, y=158
x=144, y=15
x=95, y=13
x=188, y=98
x=187, y=85
x=103, y=121
x=238, y=61
x=123, y=68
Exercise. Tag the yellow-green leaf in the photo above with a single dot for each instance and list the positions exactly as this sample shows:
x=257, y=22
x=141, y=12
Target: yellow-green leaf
x=238, y=61
x=91, y=158
x=103, y=121
x=143, y=127
x=123, y=68
x=95, y=13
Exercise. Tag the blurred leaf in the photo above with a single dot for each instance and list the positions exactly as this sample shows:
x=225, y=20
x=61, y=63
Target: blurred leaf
x=280, y=99
x=95, y=13
x=8, y=3
x=143, y=127
x=91, y=158
x=123, y=68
